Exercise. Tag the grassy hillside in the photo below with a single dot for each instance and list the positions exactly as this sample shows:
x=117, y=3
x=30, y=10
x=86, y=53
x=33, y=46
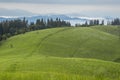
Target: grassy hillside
x=64, y=42
x=60, y=54
x=115, y=30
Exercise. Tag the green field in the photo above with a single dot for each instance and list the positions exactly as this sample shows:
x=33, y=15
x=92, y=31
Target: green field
x=62, y=54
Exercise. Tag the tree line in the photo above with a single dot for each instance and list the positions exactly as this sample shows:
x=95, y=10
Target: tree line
x=116, y=22
x=21, y=26
x=89, y=23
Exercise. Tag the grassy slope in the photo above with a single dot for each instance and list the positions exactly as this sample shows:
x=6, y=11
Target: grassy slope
x=60, y=54
x=82, y=42
x=109, y=29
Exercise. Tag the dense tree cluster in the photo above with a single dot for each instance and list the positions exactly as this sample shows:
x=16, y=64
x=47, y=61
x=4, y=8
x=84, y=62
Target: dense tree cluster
x=50, y=23
x=13, y=27
x=18, y=26
x=116, y=22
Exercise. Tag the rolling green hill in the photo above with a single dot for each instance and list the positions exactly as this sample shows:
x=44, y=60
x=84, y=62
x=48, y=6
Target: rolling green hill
x=61, y=54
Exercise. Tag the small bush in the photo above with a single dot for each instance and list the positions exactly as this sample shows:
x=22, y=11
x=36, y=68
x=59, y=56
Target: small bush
x=4, y=37
x=117, y=60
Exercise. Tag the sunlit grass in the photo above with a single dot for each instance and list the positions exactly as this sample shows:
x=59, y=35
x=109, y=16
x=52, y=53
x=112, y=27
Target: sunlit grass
x=60, y=54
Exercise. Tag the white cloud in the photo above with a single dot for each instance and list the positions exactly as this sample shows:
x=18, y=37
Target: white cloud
x=62, y=8
x=98, y=2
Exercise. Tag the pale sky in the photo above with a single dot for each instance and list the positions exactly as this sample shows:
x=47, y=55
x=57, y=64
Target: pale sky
x=80, y=7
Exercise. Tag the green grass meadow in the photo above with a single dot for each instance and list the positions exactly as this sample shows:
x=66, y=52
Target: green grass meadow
x=69, y=53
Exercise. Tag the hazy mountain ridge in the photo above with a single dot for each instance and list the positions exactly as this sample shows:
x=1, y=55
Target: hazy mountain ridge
x=73, y=20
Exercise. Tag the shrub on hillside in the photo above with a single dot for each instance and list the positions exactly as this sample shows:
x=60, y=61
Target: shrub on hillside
x=117, y=60
x=4, y=37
